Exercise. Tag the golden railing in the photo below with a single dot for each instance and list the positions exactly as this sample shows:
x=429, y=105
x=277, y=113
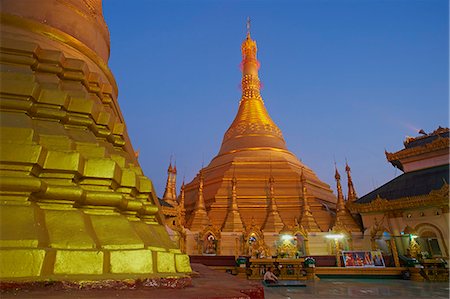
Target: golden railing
x=284, y=269
x=435, y=270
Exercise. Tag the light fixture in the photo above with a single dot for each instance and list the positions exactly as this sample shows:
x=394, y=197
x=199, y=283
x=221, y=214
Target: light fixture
x=411, y=232
x=286, y=237
x=334, y=236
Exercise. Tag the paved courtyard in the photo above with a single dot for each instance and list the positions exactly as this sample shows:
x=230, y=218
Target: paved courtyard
x=213, y=284
x=362, y=288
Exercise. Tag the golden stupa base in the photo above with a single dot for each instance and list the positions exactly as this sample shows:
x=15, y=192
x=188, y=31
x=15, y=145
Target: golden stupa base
x=91, y=242
x=74, y=203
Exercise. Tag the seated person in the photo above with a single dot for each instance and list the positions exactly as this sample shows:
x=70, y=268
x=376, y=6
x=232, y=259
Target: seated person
x=269, y=277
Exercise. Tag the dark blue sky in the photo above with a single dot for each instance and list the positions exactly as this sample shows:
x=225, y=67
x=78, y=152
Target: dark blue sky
x=342, y=78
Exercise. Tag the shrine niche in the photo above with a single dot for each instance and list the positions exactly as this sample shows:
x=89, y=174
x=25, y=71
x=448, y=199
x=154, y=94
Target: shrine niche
x=254, y=244
x=431, y=240
x=413, y=250
x=293, y=241
x=344, y=243
x=209, y=241
x=301, y=236
x=381, y=238
x=287, y=246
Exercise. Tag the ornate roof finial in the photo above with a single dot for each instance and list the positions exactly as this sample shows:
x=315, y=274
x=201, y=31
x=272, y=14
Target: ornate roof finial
x=337, y=176
x=182, y=194
x=170, y=192
x=170, y=164
x=181, y=208
x=351, y=189
x=340, y=197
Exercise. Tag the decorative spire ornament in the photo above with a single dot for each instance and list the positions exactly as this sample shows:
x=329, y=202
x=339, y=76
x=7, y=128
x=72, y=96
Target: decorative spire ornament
x=181, y=207
x=170, y=192
x=273, y=222
x=351, y=189
x=306, y=217
x=200, y=219
x=340, y=205
x=344, y=219
x=233, y=221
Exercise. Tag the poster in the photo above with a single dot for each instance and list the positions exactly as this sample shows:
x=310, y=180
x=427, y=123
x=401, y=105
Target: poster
x=362, y=259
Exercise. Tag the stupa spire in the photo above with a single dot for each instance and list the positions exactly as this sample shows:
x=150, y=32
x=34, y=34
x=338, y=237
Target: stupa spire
x=170, y=192
x=343, y=216
x=181, y=208
x=252, y=124
x=273, y=221
x=233, y=222
x=340, y=205
x=351, y=189
x=200, y=218
x=306, y=218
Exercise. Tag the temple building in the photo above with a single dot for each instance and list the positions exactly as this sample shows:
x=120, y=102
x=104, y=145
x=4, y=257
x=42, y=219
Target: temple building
x=255, y=189
x=75, y=204
x=410, y=214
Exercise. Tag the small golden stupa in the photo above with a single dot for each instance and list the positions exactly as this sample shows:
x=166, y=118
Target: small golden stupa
x=254, y=181
x=74, y=201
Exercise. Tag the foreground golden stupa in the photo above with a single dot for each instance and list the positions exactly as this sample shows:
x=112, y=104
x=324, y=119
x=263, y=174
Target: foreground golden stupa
x=74, y=201
x=254, y=184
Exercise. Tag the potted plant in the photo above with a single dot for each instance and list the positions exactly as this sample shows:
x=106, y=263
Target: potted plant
x=310, y=262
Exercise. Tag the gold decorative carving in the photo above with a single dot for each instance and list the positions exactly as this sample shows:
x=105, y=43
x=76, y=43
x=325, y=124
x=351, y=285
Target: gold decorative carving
x=435, y=145
x=53, y=33
x=436, y=198
x=253, y=128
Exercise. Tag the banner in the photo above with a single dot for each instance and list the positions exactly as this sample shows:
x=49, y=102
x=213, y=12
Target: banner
x=361, y=259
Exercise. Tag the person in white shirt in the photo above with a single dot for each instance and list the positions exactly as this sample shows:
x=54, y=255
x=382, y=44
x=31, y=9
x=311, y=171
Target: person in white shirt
x=269, y=277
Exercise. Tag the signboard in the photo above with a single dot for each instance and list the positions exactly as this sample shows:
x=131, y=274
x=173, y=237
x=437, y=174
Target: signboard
x=362, y=259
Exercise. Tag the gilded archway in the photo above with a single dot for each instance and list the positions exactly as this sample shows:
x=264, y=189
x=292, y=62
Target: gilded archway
x=209, y=240
x=301, y=235
x=423, y=228
x=254, y=244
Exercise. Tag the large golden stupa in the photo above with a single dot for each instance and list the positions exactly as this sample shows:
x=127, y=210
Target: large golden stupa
x=74, y=201
x=255, y=181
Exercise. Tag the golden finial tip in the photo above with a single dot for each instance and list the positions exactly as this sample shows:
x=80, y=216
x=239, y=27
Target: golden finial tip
x=248, y=26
